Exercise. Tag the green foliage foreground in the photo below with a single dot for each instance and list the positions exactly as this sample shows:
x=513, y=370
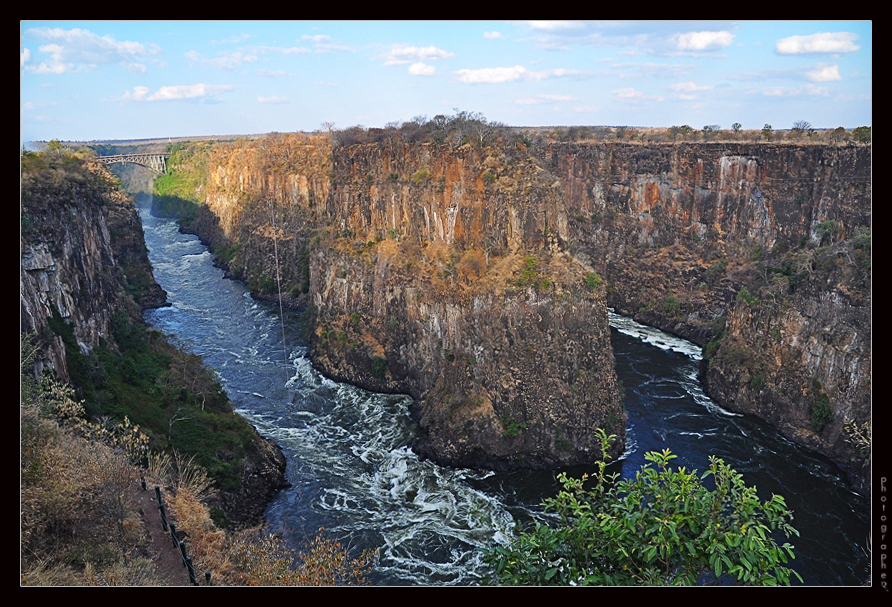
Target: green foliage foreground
x=664, y=527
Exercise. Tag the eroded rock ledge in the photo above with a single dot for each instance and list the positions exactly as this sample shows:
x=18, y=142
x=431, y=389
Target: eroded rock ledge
x=458, y=275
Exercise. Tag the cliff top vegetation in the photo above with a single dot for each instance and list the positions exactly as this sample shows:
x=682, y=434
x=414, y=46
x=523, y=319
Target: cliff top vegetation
x=472, y=127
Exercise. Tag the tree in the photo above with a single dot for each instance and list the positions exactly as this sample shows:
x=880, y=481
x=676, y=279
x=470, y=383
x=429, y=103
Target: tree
x=54, y=147
x=862, y=134
x=663, y=527
x=711, y=130
x=684, y=130
x=766, y=131
x=838, y=135
x=736, y=126
x=801, y=127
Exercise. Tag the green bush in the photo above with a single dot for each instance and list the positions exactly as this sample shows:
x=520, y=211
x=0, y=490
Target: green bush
x=662, y=527
x=821, y=413
x=379, y=365
x=672, y=305
x=511, y=427
x=592, y=281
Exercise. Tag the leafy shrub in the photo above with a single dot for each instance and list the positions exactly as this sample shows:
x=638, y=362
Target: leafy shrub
x=267, y=561
x=821, y=413
x=511, y=427
x=592, y=281
x=378, y=366
x=744, y=296
x=662, y=527
x=420, y=176
x=672, y=305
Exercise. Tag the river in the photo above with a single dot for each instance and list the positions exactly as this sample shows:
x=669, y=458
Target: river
x=353, y=473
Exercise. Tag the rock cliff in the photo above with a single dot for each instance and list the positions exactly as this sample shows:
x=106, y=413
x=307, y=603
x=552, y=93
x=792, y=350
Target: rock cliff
x=759, y=252
x=83, y=257
x=83, y=263
x=460, y=275
x=436, y=273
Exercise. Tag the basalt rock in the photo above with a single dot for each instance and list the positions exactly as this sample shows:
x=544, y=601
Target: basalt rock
x=457, y=274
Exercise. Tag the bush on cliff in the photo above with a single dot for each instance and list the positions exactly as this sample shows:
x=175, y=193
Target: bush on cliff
x=663, y=527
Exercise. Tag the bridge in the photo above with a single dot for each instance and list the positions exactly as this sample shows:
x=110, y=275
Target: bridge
x=154, y=162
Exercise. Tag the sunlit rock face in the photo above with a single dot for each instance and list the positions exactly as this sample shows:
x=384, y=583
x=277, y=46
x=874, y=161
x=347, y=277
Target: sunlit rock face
x=457, y=274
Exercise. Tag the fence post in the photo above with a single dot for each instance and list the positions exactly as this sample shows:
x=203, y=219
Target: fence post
x=173, y=535
x=163, y=517
x=207, y=577
x=191, y=570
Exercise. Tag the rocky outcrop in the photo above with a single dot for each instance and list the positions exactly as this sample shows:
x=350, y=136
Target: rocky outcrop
x=83, y=260
x=434, y=274
x=83, y=257
x=760, y=252
x=456, y=274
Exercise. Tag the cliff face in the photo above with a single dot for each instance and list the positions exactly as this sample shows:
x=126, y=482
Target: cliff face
x=434, y=274
x=759, y=252
x=458, y=275
x=79, y=234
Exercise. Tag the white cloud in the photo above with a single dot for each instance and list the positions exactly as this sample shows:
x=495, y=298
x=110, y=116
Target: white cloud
x=26, y=57
x=265, y=72
x=495, y=75
x=552, y=26
x=229, y=60
x=400, y=55
x=543, y=99
x=57, y=68
x=703, y=41
x=492, y=35
x=78, y=50
x=824, y=73
x=136, y=68
x=316, y=38
x=627, y=92
x=29, y=106
x=492, y=75
x=327, y=48
x=823, y=42
x=184, y=91
x=273, y=99
x=689, y=87
x=793, y=91
x=422, y=69
x=632, y=93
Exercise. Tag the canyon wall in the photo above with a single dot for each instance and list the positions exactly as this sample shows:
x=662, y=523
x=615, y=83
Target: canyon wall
x=431, y=273
x=759, y=252
x=83, y=262
x=79, y=233
x=470, y=278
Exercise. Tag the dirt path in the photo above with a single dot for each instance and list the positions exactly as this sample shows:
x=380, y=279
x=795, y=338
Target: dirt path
x=168, y=561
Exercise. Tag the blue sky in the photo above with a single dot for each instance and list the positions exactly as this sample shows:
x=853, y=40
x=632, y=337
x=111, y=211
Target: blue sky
x=83, y=80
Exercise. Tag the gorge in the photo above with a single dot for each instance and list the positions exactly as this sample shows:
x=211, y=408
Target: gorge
x=477, y=279
x=463, y=275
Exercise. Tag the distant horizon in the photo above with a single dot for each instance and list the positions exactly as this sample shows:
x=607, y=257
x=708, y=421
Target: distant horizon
x=103, y=80
x=551, y=126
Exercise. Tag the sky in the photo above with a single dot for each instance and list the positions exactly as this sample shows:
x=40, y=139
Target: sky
x=100, y=80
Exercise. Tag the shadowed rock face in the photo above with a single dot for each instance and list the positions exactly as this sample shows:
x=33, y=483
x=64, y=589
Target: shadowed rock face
x=762, y=249
x=79, y=234
x=83, y=259
x=457, y=276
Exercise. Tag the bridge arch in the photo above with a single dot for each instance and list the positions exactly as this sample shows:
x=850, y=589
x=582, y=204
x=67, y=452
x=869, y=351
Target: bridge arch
x=157, y=163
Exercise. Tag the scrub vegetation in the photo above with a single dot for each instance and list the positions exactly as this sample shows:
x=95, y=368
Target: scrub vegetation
x=665, y=526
